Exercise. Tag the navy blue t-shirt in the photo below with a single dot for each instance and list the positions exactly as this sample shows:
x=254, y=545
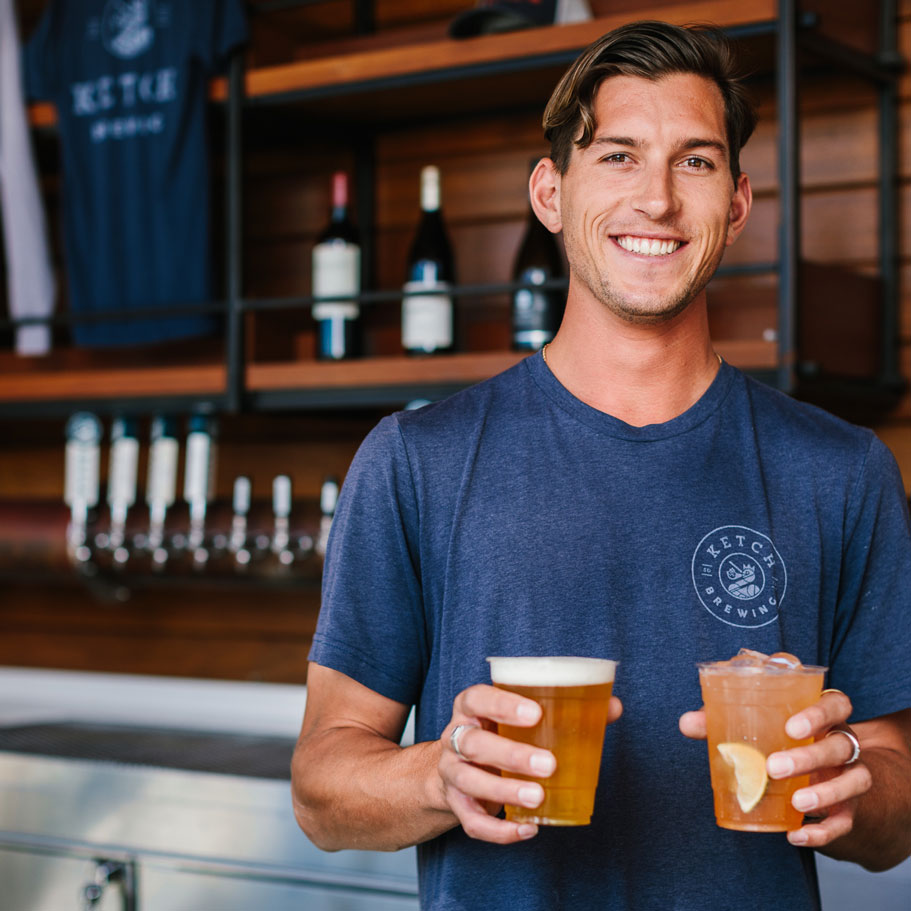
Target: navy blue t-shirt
x=514, y=519
x=129, y=79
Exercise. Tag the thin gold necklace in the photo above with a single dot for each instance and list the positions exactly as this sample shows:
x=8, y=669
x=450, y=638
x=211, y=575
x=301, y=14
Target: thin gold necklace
x=544, y=354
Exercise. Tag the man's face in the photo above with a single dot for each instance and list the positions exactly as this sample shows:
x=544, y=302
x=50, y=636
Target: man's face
x=648, y=208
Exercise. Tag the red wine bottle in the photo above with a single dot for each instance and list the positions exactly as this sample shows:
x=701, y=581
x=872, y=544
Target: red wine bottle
x=337, y=276
x=427, y=307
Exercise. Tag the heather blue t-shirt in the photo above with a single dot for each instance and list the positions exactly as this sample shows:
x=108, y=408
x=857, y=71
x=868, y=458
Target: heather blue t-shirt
x=512, y=518
x=129, y=79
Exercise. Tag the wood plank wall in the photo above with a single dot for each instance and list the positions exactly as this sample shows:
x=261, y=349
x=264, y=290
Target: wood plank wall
x=243, y=633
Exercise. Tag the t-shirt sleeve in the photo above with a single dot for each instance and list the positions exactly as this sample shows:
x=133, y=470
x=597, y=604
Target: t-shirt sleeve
x=872, y=636
x=371, y=625
x=220, y=32
x=39, y=58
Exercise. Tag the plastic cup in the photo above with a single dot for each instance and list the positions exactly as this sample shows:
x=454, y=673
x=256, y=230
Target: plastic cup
x=574, y=695
x=747, y=705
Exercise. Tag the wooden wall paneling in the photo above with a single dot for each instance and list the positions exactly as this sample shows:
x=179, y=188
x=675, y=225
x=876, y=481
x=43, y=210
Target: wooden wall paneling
x=222, y=634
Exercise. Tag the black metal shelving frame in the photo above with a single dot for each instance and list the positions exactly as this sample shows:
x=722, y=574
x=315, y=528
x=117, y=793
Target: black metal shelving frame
x=793, y=33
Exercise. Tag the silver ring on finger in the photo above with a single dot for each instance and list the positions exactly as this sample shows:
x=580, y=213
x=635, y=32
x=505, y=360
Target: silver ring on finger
x=854, y=742
x=455, y=736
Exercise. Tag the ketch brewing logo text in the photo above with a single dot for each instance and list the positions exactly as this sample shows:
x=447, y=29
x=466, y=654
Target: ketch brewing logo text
x=739, y=576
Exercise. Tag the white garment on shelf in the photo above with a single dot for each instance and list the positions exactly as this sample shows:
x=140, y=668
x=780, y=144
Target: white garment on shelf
x=29, y=274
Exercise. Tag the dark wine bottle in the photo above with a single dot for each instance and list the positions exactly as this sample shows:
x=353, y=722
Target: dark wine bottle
x=337, y=276
x=427, y=307
x=536, y=311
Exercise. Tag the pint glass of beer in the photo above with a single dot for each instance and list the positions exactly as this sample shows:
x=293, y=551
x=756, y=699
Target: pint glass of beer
x=747, y=700
x=574, y=694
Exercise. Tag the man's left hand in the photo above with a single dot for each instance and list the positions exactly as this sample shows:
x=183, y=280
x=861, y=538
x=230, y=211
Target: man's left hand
x=835, y=786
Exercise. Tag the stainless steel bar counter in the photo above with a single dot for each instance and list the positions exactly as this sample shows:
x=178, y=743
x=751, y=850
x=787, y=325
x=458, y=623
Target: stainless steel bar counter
x=156, y=794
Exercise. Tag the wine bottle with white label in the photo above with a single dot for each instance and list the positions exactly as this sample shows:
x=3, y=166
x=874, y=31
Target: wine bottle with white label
x=427, y=307
x=536, y=311
x=336, y=264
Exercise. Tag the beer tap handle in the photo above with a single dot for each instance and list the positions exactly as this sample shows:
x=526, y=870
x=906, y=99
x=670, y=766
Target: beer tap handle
x=237, y=543
x=327, y=502
x=121, y=495
x=281, y=507
x=199, y=482
x=161, y=484
x=83, y=453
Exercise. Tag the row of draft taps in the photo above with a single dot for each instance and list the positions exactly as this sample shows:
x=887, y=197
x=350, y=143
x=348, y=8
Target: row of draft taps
x=167, y=533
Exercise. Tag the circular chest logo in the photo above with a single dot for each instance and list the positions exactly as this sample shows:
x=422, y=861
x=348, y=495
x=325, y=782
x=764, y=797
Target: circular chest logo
x=126, y=27
x=739, y=576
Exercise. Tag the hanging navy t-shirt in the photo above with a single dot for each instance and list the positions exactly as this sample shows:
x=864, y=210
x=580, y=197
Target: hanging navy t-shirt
x=129, y=79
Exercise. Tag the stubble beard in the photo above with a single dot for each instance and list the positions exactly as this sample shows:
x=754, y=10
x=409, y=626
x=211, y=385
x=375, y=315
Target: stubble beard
x=653, y=311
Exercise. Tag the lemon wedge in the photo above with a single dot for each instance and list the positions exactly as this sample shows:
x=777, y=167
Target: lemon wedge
x=749, y=771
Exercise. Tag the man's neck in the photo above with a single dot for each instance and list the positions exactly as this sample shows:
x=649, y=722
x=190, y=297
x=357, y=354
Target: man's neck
x=638, y=374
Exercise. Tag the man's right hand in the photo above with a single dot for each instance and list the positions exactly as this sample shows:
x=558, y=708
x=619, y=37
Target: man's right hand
x=472, y=785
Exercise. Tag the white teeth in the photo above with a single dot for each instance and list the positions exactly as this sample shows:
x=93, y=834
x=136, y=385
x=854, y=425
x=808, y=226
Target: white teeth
x=647, y=246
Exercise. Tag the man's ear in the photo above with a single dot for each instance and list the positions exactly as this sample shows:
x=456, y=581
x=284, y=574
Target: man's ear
x=544, y=192
x=741, y=203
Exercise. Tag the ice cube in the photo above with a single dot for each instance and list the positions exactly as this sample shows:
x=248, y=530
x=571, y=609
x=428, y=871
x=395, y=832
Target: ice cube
x=784, y=661
x=746, y=657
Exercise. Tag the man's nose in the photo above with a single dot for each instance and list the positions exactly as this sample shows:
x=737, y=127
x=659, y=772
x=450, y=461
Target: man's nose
x=655, y=195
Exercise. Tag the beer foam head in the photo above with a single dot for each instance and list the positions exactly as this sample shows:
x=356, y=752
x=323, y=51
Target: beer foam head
x=551, y=671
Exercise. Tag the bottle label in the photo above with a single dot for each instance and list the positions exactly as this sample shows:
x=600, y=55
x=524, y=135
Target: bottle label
x=426, y=317
x=336, y=273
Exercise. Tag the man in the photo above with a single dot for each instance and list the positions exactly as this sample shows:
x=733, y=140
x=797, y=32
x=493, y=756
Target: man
x=571, y=506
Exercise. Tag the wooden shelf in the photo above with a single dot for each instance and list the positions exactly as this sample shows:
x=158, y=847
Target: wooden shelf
x=367, y=382
x=88, y=383
x=452, y=55
x=373, y=69
x=459, y=369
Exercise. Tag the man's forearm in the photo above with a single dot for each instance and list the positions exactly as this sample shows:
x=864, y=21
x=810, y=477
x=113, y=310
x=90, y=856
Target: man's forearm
x=355, y=789
x=881, y=836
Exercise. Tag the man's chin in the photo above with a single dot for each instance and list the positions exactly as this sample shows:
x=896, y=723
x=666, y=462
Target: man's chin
x=648, y=312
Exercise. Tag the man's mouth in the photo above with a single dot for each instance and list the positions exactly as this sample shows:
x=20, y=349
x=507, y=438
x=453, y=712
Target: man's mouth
x=647, y=246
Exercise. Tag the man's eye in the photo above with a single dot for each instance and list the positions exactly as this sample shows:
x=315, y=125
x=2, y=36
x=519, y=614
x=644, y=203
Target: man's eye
x=699, y=163
x=617, y=158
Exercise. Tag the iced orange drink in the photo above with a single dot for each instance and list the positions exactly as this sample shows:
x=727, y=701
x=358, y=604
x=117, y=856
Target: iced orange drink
x=747, y=700
x=574, y=694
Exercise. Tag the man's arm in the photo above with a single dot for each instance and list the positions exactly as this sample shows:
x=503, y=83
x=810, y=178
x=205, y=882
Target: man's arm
x=354, y=787
x=863, y=809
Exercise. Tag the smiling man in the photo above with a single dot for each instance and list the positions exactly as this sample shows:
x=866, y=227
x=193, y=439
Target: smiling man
x=592, y=501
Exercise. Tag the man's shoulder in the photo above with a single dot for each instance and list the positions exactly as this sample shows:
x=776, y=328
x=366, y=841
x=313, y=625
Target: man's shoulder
x=460, y=413
x=797, y=422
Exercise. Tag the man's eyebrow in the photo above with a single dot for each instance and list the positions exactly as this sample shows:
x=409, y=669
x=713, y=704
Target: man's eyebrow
x=698, y=143
x=616, y=141
x=688, y=145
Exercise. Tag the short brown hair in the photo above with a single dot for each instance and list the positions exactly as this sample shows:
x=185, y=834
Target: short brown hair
x=651, y=50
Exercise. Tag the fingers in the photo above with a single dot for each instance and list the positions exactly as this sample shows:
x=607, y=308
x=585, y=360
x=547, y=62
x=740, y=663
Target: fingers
x=819, y=833
x=826, y=753
x=692, y=724
x=472, y=785
x=833, y=708
x=852, y=782
x=614, y=710
x=484, y=748
x=478, y=823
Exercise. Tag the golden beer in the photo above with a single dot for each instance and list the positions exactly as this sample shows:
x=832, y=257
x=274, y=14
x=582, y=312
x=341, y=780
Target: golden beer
x=574, y=694
x=747, y=702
